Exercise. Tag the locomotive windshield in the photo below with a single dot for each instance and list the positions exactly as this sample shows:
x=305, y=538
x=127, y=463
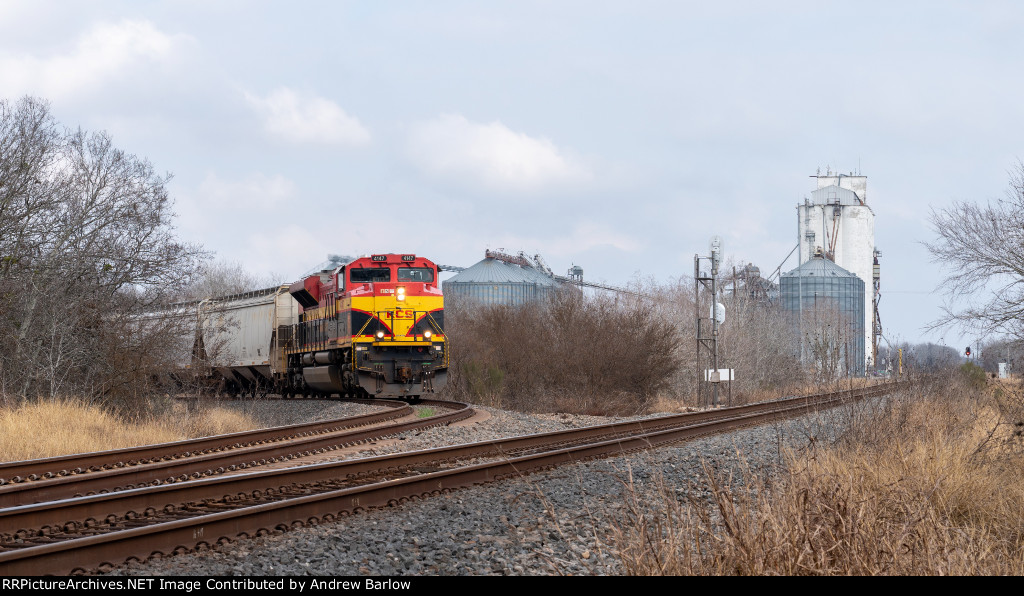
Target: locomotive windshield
x=421, y=274
x=369, y=276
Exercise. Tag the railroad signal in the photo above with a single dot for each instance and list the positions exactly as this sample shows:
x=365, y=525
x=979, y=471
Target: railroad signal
x=967, y=352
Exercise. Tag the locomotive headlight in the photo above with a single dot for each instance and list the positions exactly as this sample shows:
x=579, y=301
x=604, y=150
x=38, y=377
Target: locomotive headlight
x=380, y=335
x=427, y=334
x=401, y=293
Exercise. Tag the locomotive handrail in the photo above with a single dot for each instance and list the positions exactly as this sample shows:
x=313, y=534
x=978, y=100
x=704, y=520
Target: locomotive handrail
x=363, y=328
x=434, y=324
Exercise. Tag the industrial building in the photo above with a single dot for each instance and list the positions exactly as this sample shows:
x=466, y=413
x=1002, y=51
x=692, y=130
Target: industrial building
x=837, y=223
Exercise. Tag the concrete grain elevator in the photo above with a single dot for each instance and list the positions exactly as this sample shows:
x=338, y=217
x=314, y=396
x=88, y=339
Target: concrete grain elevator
x=837, y=222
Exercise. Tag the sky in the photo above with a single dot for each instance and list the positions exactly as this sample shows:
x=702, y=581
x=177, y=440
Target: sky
x=617, y=136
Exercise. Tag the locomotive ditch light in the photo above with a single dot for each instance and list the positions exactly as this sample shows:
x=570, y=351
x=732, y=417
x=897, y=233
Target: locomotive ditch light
x=380, y=335
x=427, y=334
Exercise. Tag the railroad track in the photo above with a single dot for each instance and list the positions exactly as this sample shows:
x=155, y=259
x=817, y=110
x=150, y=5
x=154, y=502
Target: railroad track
x=124, y=469
x=31, y=470
x=80, y=534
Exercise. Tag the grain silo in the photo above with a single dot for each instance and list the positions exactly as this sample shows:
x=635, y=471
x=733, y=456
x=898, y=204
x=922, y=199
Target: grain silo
x=838, y=222
x=501, y=279
x=827, y=306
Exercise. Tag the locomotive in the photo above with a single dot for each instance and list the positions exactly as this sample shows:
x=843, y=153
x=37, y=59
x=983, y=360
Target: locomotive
x=373, y=327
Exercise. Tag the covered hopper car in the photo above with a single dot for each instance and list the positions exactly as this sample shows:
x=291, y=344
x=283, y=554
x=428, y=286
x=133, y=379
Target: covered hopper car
x=373, y=327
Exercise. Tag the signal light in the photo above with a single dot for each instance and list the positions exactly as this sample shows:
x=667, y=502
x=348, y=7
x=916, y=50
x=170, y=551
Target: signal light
x=967, y=352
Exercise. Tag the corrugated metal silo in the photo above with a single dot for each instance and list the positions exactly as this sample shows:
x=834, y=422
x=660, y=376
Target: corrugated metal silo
x=493, y=281
x=827, y=303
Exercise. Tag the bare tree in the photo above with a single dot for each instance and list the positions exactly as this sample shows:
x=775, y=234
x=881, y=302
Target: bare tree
x=931, y=357
x=830, y=341
x=569, y=352
x=223, y=278
x=995, y=352
x=29, y=146
x=87, y=244
x=760, y=344
x=982, y=248
x=611, y=354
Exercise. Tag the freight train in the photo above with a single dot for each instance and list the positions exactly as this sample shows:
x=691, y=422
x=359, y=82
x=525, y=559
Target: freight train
x=371, y=328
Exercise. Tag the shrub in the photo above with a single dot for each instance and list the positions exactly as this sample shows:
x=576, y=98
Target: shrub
x=569, y=353
x=974, y=374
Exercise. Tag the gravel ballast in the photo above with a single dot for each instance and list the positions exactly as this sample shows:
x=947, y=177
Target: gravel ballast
x=547, y=523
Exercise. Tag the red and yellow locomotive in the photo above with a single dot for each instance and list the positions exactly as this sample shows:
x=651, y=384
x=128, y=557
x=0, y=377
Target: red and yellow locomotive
x=372, y=327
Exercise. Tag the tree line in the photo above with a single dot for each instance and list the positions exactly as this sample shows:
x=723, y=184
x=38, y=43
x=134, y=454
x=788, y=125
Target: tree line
x=88, y=251
x=87, y=244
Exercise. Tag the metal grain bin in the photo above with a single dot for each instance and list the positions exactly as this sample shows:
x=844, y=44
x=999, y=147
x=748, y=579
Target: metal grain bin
x=827, y=304
x=492, y=281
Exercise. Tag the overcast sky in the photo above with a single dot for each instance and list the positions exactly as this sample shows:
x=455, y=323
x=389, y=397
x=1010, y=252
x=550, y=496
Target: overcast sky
x=618, y=136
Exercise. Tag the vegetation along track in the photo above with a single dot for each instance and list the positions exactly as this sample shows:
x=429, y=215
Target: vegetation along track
x=54, y=478
x=91, y=532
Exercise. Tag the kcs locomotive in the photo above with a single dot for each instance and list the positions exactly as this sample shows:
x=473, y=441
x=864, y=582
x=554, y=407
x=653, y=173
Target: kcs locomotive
x=373, y=327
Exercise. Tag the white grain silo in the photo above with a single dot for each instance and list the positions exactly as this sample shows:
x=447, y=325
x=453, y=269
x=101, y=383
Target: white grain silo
x=837, y=220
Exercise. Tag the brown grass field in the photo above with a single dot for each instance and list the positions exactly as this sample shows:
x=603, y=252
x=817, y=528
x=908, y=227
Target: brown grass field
x=51, y=428
x=930, y=483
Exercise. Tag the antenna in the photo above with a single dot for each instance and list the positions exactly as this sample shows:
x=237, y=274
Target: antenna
x=707, y=327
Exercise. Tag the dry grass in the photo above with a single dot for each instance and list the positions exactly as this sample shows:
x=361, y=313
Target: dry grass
x=931, y=485
x=51, y=428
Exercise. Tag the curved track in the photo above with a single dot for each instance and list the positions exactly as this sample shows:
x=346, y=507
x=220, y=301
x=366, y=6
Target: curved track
x=125, y=469
x=88, y=532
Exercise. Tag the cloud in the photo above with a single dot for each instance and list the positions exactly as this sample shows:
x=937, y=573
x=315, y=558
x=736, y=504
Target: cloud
x=307, y=119
x=256, y=191
x=106, y=52
x=578, y=238
x=589, y=235
x=204, y=208
x=491, y=155
x=230, y=215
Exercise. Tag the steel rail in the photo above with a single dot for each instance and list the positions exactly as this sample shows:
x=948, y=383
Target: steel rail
x=64, y=465
x=198, y=532
x=209, y=464
x=57, y=513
